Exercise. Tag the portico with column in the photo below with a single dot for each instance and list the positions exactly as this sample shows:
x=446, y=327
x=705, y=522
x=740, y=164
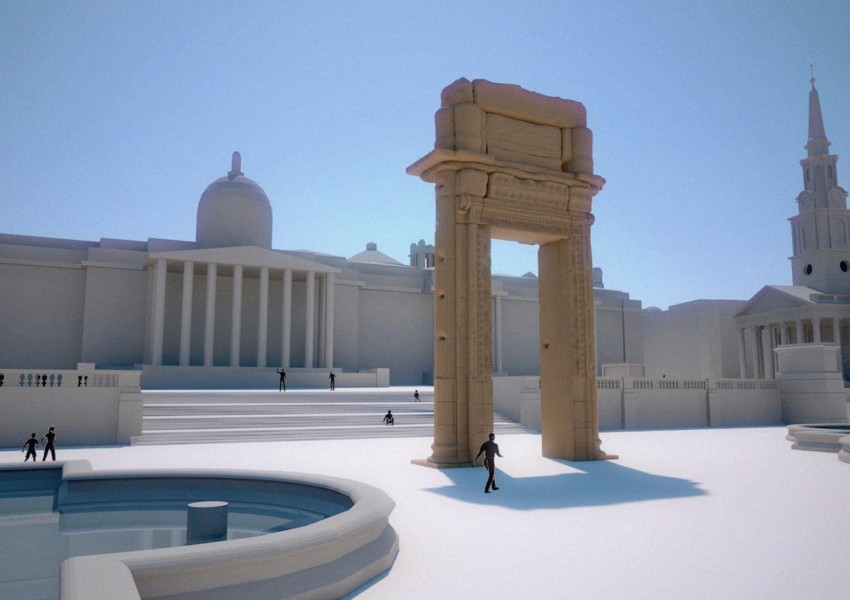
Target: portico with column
x=236, y=309
x=805, y=319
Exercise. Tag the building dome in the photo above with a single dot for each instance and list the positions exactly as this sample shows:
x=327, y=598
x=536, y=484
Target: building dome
x=234, y=211
x=374, y=256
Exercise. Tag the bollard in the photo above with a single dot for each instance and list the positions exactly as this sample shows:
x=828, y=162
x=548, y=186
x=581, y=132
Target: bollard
x=206, y=522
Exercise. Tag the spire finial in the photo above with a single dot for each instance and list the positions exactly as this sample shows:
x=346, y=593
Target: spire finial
x=812, y=67
x=235, y=166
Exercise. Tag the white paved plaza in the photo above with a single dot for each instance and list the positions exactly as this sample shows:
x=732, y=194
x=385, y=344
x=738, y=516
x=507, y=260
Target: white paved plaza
x=724, y=513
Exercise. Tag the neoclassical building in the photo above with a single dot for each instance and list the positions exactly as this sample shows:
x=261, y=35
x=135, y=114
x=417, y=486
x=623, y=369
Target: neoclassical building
x=816, y=308
x=228, y=310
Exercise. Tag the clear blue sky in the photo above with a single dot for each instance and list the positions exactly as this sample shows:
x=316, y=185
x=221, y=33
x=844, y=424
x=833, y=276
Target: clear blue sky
x=114, y=117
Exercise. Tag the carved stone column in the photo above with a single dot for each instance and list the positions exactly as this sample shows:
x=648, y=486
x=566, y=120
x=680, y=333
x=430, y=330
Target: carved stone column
x=309, y=311
x=263, y=318
x=160, y=276
x=568, y=411
x=209, y=315
x=236, y=317
x=462, y=317
x=286, y=319
x=742, y=357
x=186, y=313
x=767, y=350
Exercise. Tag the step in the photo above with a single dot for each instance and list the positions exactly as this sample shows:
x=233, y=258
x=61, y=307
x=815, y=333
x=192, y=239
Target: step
x=232, y=416
x=202, y=436
x=279, y=408
x=294, y=396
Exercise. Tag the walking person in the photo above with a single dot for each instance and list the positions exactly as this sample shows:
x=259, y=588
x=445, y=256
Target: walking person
x=30, y=446
x=490, y=449
x=416, y=396
x=389, y=419
x=50, y=446
x=281, y=386
x=332, y=377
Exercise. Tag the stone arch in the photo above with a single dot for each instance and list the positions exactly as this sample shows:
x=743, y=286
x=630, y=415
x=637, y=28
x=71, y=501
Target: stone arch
x=515, y=165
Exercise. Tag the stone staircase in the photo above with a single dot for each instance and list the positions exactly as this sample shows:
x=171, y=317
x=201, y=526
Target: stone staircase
x=222, y=416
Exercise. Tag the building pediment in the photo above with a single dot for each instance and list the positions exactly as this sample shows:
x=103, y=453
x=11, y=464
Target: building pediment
x=772, y=298
x=250, y=257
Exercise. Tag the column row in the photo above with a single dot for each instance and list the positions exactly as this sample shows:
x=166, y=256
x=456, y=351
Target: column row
x=761, y=340
x=326, y=322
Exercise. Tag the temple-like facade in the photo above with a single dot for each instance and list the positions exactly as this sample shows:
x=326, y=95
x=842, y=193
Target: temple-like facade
x=228, y=310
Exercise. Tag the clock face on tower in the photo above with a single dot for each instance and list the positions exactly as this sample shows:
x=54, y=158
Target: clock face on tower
x=837, y=198
x=805, y=201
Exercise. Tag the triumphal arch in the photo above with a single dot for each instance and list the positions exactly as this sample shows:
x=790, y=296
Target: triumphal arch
x=514, y=165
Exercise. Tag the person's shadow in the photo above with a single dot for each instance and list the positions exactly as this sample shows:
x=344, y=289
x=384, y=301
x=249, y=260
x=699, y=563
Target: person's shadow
x=597, y=483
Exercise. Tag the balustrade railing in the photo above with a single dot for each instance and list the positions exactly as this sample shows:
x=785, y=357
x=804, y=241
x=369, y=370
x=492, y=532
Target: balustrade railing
x=686, y=384
x=43, y=378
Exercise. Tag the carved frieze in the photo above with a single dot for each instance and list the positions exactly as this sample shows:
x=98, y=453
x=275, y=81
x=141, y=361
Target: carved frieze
x=528, y=193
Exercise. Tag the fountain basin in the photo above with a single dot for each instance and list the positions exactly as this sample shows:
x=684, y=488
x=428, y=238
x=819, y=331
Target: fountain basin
x=821, y=437
x=352, y=543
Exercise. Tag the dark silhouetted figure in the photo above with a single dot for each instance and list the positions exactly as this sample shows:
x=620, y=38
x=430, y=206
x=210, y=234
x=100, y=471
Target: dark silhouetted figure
x=416, y=396
x=332, y=377
x=2, y=377
x=389, y=419
x=490, y=449
x=79, y=381
x=30, y=445
x=281, y=387
x=49, y=447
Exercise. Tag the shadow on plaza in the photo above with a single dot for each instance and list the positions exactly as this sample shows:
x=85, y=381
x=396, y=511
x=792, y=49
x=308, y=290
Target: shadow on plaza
x=595, y=483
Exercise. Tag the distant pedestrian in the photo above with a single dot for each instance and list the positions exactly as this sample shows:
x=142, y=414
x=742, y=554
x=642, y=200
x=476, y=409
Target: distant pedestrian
x=416, y=396
x=281, y=386
x=49, y=447
x=389, y=419
x=30, y=446
x=332, y=377
x=490, y=449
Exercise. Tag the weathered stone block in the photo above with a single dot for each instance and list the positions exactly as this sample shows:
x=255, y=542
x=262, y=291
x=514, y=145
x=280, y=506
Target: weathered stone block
x=457, y=92
x=473, y=182
x=524, y=143
x=469, y=127
x=582, y=147
x=444, y=123
x=513, y=101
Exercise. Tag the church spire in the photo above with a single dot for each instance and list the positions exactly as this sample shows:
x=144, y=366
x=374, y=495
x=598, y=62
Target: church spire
x=817, y=144
x=821, y=230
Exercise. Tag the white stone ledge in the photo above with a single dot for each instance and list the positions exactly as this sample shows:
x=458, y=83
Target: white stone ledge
x=41, y=263
x=823, y=437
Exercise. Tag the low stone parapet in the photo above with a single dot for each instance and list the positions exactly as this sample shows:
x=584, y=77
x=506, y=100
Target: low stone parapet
x=643, y=403
x=86, y=407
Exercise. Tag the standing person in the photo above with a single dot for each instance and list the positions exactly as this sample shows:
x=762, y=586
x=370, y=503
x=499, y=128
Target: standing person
x=416, y=396
x=389, y=419
x=281, y=386
x=490, y=449
x=332, y=377
x=49, y=447
x=30, y=445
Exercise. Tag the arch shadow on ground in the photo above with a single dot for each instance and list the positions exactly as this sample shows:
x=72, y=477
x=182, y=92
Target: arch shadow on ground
x=595, y=483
